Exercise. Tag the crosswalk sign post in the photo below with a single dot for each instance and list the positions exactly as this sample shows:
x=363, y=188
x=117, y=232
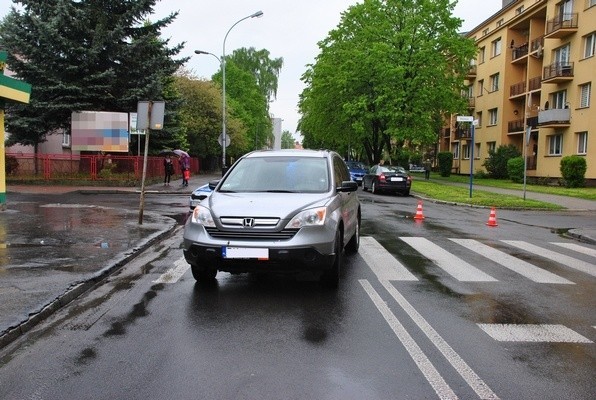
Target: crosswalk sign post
x=10, y=90
x=150, y=115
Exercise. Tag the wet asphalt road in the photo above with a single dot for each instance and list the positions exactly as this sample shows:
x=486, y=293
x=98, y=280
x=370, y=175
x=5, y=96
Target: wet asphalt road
x=151, y=332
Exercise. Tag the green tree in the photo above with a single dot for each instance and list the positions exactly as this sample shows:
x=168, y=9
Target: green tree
x=262, y=67
x=496, y=163
x=287, y=140
x=85, y=55
x=385, y=75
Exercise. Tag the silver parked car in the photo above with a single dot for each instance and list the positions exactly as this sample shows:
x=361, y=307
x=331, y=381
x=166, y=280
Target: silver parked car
x=286, y=211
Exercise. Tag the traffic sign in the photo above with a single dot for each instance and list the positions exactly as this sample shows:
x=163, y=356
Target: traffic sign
x=465, y=118
x=220, y=140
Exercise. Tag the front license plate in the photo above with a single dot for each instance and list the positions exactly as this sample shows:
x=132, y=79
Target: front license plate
x=245, y=252
x=397, y=179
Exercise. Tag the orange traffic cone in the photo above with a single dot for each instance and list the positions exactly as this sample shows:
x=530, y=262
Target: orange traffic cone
x=492, y=219
x=419, y=214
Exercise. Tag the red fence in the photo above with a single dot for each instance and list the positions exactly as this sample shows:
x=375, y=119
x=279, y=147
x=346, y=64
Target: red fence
x=87, y=167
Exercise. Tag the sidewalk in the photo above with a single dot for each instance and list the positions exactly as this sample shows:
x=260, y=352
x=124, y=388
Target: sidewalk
x=51, y=253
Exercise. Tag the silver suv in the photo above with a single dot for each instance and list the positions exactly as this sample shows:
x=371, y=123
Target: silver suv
x=286, y=211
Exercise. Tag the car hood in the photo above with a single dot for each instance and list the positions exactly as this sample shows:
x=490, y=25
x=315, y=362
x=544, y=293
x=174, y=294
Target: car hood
x=280, y=205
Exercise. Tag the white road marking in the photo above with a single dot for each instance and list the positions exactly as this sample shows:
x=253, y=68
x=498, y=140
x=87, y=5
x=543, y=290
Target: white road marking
x=422, y=362
x=522, y=267
x=533, y=333
x=577, y=247
x=451, y=264
x=552, y=255
x=381, y=262
x=173, y=274
x=473, y=380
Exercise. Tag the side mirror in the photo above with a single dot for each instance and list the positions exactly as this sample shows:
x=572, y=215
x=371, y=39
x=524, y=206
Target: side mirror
x=348, y=186
x=213, y=183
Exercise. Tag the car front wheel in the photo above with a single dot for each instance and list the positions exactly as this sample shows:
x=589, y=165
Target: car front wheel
x=354, y=243
x=330, y=278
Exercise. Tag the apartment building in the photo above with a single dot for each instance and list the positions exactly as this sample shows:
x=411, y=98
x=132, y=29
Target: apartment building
x=531, y=83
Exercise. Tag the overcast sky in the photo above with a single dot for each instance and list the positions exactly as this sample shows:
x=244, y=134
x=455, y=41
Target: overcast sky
x=289, y=29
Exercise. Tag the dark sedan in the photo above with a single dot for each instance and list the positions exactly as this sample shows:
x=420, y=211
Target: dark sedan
x=387, y=178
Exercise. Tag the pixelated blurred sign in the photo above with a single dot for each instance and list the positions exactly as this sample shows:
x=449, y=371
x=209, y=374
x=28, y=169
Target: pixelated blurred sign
x=99, y=131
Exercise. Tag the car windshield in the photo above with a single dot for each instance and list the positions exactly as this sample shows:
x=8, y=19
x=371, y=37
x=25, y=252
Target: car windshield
x=355, y=165
x=284, y=174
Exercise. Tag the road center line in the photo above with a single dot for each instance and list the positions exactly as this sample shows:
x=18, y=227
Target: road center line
x=173, y=274
x=424, y=364
x=473, y=380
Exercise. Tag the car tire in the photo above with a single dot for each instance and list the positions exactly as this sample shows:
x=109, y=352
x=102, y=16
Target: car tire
x=202, y=274
x=354, y=243
x=406, y=193
x=364, y=188
x=374, y=189
x=330, y=277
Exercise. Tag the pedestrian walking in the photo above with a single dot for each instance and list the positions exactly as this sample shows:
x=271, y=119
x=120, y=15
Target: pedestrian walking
x=427, y=167
x=168, y=167
x=185, y=168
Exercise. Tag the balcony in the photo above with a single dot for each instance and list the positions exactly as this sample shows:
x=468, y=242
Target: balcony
x=519, y=52
x=515, y=126
x=560, y=26
x=532, y=121
x=517, y=90
x=471, y=102
x=554, y=118
x=558, y=72
x=535, y=83
x=537, y=45
x=471, y=72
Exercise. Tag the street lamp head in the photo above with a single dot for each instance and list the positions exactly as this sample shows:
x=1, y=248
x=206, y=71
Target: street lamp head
x=200, y=52
x=258, y=14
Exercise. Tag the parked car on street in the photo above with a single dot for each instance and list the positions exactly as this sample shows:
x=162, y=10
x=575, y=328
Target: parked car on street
x=357, y=171
x=387, y=178
x=285, y=211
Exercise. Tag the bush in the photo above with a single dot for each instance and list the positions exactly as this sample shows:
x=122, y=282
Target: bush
x=445, y=159
x=573, y=171
x=515, y=169
x=496, y=163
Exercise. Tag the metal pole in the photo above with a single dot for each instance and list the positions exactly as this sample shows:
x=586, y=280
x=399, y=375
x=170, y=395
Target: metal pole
x=472, y=161
x=525, y=152
x=142, y=201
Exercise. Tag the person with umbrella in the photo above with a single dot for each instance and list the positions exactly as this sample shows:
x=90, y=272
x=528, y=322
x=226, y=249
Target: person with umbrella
x=185, y=167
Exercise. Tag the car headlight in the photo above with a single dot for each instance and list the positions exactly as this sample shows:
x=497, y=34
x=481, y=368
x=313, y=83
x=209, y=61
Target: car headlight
x=202, y=216
x=310, y=217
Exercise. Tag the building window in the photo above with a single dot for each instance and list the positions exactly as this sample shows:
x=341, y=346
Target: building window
x=65, y=140
x=559, y=99
x=494, y=82
x=591, y=3
x=477, y=151
x=480, y=87
x=555, y=145
x=455, y=151
x=491, y=147
x=562, y=54
x=582, y=143
x=589, y=44
x=492, y=116
x=465, y=150
x=479, y=119
x=584, y=95
x=481, y=55
x=496, y=47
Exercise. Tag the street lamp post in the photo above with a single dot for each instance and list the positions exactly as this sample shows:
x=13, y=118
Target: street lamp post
x=222, y=62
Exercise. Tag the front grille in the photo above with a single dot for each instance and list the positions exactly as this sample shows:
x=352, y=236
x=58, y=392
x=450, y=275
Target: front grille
x=251, y=234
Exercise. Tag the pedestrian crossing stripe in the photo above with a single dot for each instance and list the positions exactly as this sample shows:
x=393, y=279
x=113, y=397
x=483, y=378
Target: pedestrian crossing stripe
x=577, y=248
x=571, y=262
x=382, y=263
x=450, y=263
x=514, y=264
x=533, y=333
